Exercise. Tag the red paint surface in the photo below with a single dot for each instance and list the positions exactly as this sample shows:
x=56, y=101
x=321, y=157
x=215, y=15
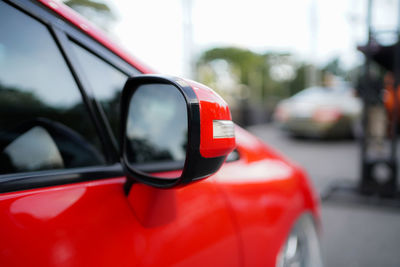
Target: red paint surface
x=238, y=217
x=95, y=224
x=267, y=194
x=212, y=107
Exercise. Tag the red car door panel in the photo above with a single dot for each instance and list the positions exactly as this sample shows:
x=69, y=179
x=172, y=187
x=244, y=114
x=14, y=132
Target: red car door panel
x=96, y=224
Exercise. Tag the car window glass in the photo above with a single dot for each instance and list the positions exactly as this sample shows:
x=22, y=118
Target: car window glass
x=106, y=82
x=44, y=123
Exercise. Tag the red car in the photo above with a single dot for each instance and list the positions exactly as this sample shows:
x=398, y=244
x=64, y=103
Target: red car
x=100, y=170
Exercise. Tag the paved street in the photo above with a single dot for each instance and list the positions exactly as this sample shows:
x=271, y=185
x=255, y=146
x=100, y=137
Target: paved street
x=354, y=234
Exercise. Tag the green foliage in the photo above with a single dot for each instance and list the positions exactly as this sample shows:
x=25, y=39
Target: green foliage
x=100, y=7
x=265, y=76
x=300, y=80
x=97, y=12
x=243, y=61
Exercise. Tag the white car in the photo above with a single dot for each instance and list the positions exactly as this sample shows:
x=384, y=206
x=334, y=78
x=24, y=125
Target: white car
x=320, y=112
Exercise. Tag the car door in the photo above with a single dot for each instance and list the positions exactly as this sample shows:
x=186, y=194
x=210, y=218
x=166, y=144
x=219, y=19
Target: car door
x=64, y=199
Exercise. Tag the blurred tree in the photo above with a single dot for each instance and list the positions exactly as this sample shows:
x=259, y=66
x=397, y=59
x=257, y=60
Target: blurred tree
x=243, y=61
x=300, y=80
x=97, y=12
x=232, y=70
x=266, y=75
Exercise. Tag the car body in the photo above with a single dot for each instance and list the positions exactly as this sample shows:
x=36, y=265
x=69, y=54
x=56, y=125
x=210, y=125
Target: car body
x=65, y=198
x=320, y=112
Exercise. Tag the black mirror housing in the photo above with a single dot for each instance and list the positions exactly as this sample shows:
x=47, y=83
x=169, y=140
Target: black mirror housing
x=209, y=132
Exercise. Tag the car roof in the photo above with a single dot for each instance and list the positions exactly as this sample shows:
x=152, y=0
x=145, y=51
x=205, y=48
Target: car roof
x=88, y=28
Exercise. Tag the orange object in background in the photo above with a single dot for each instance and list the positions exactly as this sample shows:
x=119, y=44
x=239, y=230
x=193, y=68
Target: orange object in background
x=389, y=95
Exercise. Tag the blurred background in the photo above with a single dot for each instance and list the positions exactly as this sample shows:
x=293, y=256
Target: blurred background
x=314, y=79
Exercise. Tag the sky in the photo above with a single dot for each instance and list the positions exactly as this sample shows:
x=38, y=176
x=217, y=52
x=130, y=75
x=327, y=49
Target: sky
x=314, y=30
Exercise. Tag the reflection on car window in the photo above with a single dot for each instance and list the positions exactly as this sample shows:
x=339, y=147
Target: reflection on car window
x=106, y=82
x=44, y=123
x=42, y=153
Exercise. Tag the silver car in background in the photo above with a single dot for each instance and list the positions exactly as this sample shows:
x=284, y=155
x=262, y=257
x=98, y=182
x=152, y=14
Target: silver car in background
x=320, y=112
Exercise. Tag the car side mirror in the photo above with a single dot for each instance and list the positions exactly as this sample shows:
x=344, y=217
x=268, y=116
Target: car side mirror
x=173, y=124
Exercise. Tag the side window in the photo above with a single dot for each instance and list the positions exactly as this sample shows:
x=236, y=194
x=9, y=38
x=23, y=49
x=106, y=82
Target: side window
x=105, y=80
x=44, y=123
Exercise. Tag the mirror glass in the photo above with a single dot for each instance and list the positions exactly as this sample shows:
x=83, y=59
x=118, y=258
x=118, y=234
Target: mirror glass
x=157, y=129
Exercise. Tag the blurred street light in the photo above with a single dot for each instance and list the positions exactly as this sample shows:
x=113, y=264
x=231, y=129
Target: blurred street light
x=188, y=44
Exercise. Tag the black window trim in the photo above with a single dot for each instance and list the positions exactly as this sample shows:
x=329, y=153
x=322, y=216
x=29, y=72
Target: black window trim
x=93, y=105
x=70, y=53
x=29, y=180
x=98, y=50
x=75, y=35
x=39, y=179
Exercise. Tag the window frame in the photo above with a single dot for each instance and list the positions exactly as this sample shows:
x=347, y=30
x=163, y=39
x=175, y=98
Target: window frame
x=69, y=33
x=63, y=34
x=88, y=45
